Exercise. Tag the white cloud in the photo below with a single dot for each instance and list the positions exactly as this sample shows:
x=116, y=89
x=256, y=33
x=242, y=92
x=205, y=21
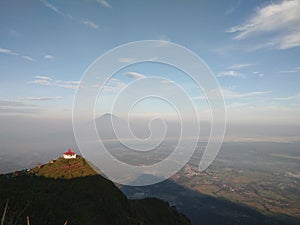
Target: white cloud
x=294, y=97
x=43, y=77
x=69, y=86
x=41, y=98
x=231, y=73
x=48, y=81
x=234, y=70
x=104, y=3
x=236, y=105
x=288, y=71
x=163, y=40
x=8, y=51
x=289, y=40
x=258, y=74
x=162, y=43
x=240, y=66
x=52, y=7
x=27, y=57
x=18, y=107
x=134, y=75
x=114, y=85
x=72, y=82
x=41, y=82
x=69, y=16
x=281, y=21
x=90, y=24
x=167, y=81
x=11, y=52
x=294, y=70
x=229, y=94
x=50, y=57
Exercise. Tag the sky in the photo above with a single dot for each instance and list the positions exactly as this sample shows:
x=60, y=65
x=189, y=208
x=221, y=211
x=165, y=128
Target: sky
x=252, y=48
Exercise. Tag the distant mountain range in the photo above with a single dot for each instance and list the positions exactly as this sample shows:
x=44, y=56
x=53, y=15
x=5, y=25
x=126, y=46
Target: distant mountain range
x=109, y=124
x=69, y=191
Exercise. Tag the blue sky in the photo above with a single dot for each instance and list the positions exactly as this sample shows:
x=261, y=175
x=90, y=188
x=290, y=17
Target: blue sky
x=252, y=47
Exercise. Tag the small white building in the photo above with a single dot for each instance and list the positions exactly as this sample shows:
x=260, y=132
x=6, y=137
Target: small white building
x=69, y=154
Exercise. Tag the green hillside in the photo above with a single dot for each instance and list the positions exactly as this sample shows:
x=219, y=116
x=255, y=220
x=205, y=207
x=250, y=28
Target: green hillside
x=65, y=169
x=70, y=190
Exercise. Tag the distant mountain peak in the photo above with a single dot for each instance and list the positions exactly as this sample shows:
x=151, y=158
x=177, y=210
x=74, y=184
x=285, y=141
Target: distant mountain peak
x=109, y=115
x=108, y=118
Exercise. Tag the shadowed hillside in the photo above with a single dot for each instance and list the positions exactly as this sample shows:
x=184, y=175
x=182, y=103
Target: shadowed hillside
x=202, y=209
x=70, y=190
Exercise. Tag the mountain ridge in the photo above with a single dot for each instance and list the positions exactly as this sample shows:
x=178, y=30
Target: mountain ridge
x=70, y=190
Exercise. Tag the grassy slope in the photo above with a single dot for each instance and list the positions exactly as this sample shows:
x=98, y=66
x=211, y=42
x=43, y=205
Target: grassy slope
x=65, y=168
x=71, y=190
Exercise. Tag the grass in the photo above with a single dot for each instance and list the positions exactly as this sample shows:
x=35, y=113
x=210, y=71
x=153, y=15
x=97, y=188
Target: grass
x=64, y=168
x=27, y=218
x=69, y=191
x=4, y=213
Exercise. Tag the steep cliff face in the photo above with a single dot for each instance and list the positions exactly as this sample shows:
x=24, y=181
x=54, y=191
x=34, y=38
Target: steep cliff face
x=70, y=190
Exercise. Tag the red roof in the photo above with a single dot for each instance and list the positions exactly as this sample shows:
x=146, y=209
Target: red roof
x=69, y=152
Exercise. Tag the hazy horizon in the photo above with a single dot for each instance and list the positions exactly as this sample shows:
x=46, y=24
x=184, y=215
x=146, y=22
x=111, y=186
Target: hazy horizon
x=250, y=49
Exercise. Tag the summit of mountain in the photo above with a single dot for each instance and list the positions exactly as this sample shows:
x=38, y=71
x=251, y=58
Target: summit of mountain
x=71, y=190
